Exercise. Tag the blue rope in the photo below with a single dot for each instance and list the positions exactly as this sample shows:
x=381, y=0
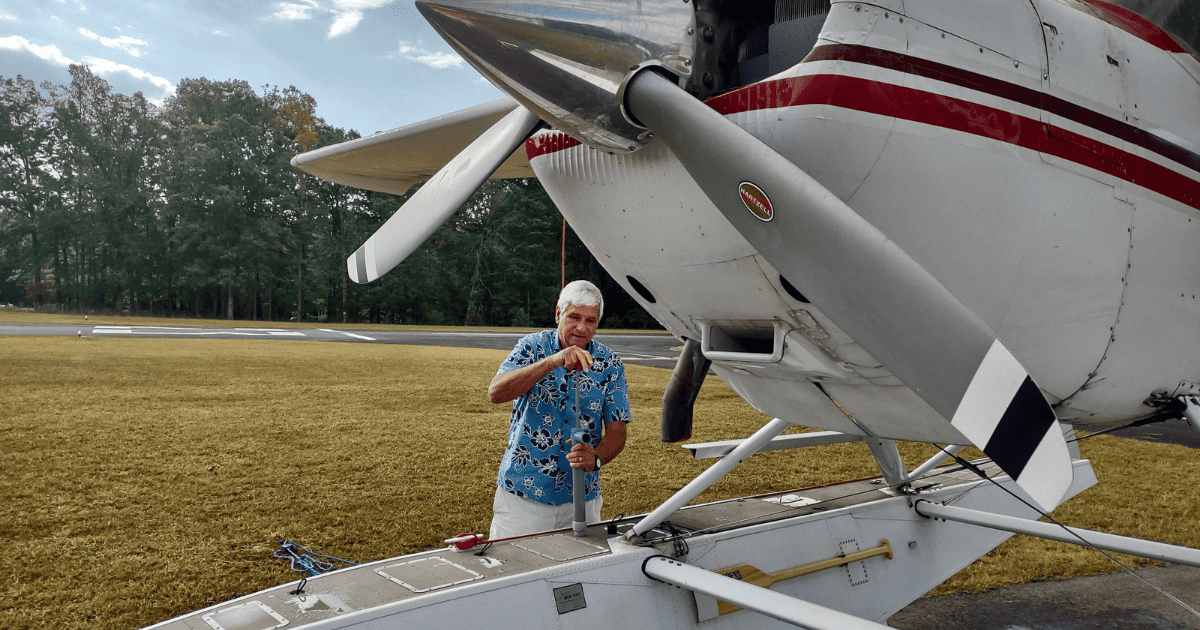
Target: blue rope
x=305, y=562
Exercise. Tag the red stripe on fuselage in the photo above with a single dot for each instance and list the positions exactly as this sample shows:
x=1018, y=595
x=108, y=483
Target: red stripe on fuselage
x=956, y=114
x=1135, y=25
x=886, y=99
x=1002, y=89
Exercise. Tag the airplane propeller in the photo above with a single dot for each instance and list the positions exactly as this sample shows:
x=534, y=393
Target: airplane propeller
x=440, y=197
x=887, y=302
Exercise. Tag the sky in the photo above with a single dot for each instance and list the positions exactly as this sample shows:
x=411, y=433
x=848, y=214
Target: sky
x=371, y=65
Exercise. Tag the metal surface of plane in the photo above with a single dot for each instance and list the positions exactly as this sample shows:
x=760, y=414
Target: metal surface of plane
x=965, y=223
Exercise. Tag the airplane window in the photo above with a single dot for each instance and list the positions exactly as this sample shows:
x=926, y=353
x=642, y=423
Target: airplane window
x=739, y=43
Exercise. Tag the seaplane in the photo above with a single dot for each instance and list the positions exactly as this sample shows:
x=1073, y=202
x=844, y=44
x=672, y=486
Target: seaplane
x=960, y=222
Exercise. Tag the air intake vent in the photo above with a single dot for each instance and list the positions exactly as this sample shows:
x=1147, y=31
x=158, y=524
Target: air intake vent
x=749, y=342
x=788, y=10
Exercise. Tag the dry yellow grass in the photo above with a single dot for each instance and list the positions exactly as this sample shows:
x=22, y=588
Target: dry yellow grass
x=144, y=478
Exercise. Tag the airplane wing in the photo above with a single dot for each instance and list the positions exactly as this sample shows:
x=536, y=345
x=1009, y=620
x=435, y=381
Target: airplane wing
x=393, y=161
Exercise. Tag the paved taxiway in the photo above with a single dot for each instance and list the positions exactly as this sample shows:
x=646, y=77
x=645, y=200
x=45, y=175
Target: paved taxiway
x=1110, y=601
x=655, y=349
x=1119, y=601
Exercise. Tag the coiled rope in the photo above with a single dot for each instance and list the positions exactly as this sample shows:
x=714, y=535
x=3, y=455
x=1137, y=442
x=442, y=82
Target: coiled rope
x=306, y=560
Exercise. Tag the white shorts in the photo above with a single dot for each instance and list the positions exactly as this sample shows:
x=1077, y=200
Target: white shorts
x=516, y=516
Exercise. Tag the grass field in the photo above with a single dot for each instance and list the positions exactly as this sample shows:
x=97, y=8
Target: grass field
x=144, y=478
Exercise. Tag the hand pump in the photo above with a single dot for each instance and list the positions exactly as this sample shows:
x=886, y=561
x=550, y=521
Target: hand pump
x=578, y=475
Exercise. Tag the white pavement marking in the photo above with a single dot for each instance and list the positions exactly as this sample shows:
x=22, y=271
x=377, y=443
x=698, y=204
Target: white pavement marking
x=644, y=357
x=480, y=334
x=346, y=333
x=164, y=330
x=645, y=336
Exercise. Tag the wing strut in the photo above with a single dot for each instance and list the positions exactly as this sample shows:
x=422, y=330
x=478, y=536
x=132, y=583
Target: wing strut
x=706, y=479
x=1060, y=533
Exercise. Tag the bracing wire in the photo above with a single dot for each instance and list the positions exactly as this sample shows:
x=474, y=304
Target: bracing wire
x=675, y=534
x=974, y=468
x=818, y=506
x=1169, y=413
x=674, y=531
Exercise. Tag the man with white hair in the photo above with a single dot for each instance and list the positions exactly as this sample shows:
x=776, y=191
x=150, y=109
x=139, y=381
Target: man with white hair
x=544, y=376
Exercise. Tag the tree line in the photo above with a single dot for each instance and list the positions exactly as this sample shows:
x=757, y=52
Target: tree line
x=109, y=203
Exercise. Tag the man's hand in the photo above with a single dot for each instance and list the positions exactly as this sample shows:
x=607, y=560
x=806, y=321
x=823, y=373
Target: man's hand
x=582, y=456
x=574, y=358
x=509, y=385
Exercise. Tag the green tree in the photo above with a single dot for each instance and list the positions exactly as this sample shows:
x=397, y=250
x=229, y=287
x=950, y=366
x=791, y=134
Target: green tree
x=228, y=188
x=115, y=141
x=309, y=238
x=106, y=200
x=29, y=180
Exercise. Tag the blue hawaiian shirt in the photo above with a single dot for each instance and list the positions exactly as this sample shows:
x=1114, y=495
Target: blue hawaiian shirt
x=535, y=463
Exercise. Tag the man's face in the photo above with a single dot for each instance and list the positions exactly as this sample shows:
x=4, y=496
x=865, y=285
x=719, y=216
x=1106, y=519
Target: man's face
x=577, y=324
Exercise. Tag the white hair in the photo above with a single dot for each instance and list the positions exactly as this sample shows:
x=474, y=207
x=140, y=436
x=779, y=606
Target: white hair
x=580, y=293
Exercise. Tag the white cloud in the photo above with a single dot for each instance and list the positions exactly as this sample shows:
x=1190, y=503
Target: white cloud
x=60, y=25
x=126, y=43
x=7, y=16
x=345, y=22
x=49, y=53
x=104, y=66
x=291, y=11
x=359, y=5
x=346, y=13
x=432, y=59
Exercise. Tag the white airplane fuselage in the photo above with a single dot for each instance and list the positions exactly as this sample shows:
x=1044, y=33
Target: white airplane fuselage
x=1020, y=156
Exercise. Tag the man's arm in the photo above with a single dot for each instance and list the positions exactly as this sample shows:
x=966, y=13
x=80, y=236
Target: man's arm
x=615, y=413
x=584, y=456
x=612, y=443
x=510, y=385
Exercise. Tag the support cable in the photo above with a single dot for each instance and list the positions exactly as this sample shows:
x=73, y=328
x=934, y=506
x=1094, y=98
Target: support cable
x=1084, y=542
x=1172, y=410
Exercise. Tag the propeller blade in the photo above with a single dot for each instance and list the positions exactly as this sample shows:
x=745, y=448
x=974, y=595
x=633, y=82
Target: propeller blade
x=440, y=197
x=895, y=309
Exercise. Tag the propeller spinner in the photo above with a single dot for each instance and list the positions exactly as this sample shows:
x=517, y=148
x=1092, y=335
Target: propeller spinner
x=567, y=60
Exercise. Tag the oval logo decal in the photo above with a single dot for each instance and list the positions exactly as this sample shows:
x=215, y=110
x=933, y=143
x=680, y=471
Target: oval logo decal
x=756, y=201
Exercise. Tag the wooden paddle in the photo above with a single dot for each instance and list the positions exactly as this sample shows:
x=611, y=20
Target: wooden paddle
x=753, y=575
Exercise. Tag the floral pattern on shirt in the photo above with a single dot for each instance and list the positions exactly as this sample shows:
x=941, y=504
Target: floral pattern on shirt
x=535, y=465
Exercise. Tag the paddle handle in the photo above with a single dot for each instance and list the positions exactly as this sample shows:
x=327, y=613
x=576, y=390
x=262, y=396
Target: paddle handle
x=753, y=575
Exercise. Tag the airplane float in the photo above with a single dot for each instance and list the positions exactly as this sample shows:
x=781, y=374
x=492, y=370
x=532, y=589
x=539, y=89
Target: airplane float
x=962, y=222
